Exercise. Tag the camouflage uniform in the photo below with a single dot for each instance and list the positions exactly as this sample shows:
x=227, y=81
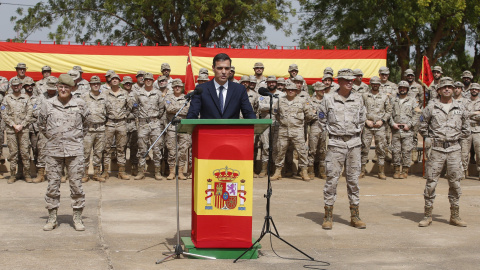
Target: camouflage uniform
x=172, y=105
x=317, y=138
x=95, y=136
x=132, y=133
x=264, y=113
x=472, y=107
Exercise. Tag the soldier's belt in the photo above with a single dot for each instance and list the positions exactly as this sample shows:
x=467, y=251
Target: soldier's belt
x=343, y=138
x=97, y=125
x=147, y=120
x=116, y=120
x=444, y=144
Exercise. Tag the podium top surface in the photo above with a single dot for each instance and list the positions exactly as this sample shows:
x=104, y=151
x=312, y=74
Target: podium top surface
x=188, y=125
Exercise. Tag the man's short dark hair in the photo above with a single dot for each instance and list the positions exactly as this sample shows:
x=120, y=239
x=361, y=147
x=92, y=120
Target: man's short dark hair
x=221, y=57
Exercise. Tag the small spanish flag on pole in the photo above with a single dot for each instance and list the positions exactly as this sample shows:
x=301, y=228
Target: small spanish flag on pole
x=189, y=79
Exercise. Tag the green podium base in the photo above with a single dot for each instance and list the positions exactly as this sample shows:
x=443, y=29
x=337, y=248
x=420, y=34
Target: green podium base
x=221, y=253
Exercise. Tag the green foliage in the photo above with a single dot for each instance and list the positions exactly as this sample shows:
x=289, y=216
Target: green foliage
x=178, y=22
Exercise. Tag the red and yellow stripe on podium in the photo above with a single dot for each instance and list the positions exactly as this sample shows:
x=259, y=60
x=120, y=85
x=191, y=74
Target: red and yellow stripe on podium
x=222, y=186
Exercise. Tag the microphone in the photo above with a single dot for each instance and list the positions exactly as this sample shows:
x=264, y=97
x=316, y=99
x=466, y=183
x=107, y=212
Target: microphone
x=264, y=92
x=197, y=91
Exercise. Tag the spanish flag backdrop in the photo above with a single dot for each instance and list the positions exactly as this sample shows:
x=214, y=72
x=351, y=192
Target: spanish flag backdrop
x=127, y=60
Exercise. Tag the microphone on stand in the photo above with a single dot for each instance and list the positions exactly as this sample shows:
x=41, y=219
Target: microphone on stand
x=264, y=92
x=197, y=91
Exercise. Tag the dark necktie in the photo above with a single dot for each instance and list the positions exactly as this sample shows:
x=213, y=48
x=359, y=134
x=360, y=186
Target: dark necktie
x=220, y=96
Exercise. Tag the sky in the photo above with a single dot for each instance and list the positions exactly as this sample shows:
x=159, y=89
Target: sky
x=6, y=11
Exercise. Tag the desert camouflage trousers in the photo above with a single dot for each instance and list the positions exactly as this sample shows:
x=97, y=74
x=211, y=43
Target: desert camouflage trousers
x=34, y=144
x=380, y=144
x=53, y=171
x=19, y=142
x=298, y=141
x=95, y=140
x=466, y=145
x=117, y=134
x=147, y=134
x=41, y=143
x=264, y=139
x=2, y=135
x=317, y=146
x=184, y=143
x=402, y=146
x=435, y=162
x=336, y=158
x=132, y=144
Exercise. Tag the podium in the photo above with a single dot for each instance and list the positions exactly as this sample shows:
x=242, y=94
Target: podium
x=222, y=180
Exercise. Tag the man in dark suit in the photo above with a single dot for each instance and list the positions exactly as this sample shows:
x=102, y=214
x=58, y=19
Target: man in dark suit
x=221, y=99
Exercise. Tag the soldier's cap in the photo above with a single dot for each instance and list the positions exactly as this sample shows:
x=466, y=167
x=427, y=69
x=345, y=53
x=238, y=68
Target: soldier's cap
x=52, y=82
x=475, y=86
x=319, y=86
x=203, y=71
x=384, y=70
x=290, y=86
x=109, y=73
x=293, y=67
x=459, y=84
x=115, y=75
x=28, y=81
x=280, y=80
x=467, y=74
x=445, y=81
x=15, y=81
x=148, y=76
x=46, y=68
x=140, y=73
x=244, y=78
x=403, y=84
x=204, y=77
x=328, y=70
x=127, y=79
x=375, y=80
x=327, y=76
x=437, y=68
x=271, y=79
x=345, y=73
x=232, y=68
x=66, y=79
x=357, y=72
x=408, y=72
x=258, y=65
x=95, y=79
x=177, y=82
x=21, y=65
x=74, y=74
x=161, y=78
x=253, y=79
x=298, y=78
x=165, y=66
x=78, y=68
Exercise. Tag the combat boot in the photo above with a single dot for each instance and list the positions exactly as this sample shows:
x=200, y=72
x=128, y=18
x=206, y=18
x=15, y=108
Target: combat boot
x=405, y=172
x=52, y=220
x=181, y=176
x=322, y=172
x=171, y=176
x=77, y=219
x=397, y=174
x=311, y=172
x=122, y=175
x=304, y=174
x=40, y=176
x=13, y=173
x=134, y=169
x=277, y=175
x=26, y=174
x=158, y=174
x=455, y=217
x=363, y=170
x=328, y=219
x=85, y=177
x=97, y=174
x=427, y=219
x=141, y=173
x=105, y=174
x=263, y=172
x=381, y=172
x=355, y=220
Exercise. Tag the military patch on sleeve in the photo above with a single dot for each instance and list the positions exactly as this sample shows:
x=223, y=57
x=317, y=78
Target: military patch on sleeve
x=3, y=108
x=168, y=101
x=321, y=115
x=135, y=105
x=421, y=118
x=261, y=98
x=35, y=106
x=275, y=110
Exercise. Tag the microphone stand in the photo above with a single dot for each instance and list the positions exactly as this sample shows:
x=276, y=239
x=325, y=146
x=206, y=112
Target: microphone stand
x=268, y=224
x=178, y=250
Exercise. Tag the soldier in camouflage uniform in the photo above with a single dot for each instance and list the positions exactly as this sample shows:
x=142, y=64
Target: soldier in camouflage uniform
x=21, y=70
x=149, y=104
x=280, y=84
x=17, y=114
x=444, y=124
x=118, y=105
x=317, y=138
x=76, y=91
x=473, y=107
x=51, y=91
x=327, y=80
x=252, y=95
x=391, y=90
x=432, y=88
x=343, y=114
x=165, y=70
x=82, y=84
x=95, y=131
x=108, y=76
x=62, y=120
x=328, y=72
x=292, y=114
x=458, y=93
x=203, y=78
x=379, y=110
x=293, y=71
x=404, y=118
x=232, y=75
x=358, y=85
x=173, y=103
x=465, y=94
x=415, y=91
x=264, y=113
x=467, y=78
x=261, y=81
x=41, y=86
x=3, y=89
x=28, y=87
x=140, y=81
x=132, y=132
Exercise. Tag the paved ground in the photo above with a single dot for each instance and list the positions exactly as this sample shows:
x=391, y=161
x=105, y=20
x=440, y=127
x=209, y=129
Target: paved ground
x=130, y=223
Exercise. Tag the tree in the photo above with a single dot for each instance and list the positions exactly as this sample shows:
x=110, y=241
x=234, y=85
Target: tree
x=177, y=22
